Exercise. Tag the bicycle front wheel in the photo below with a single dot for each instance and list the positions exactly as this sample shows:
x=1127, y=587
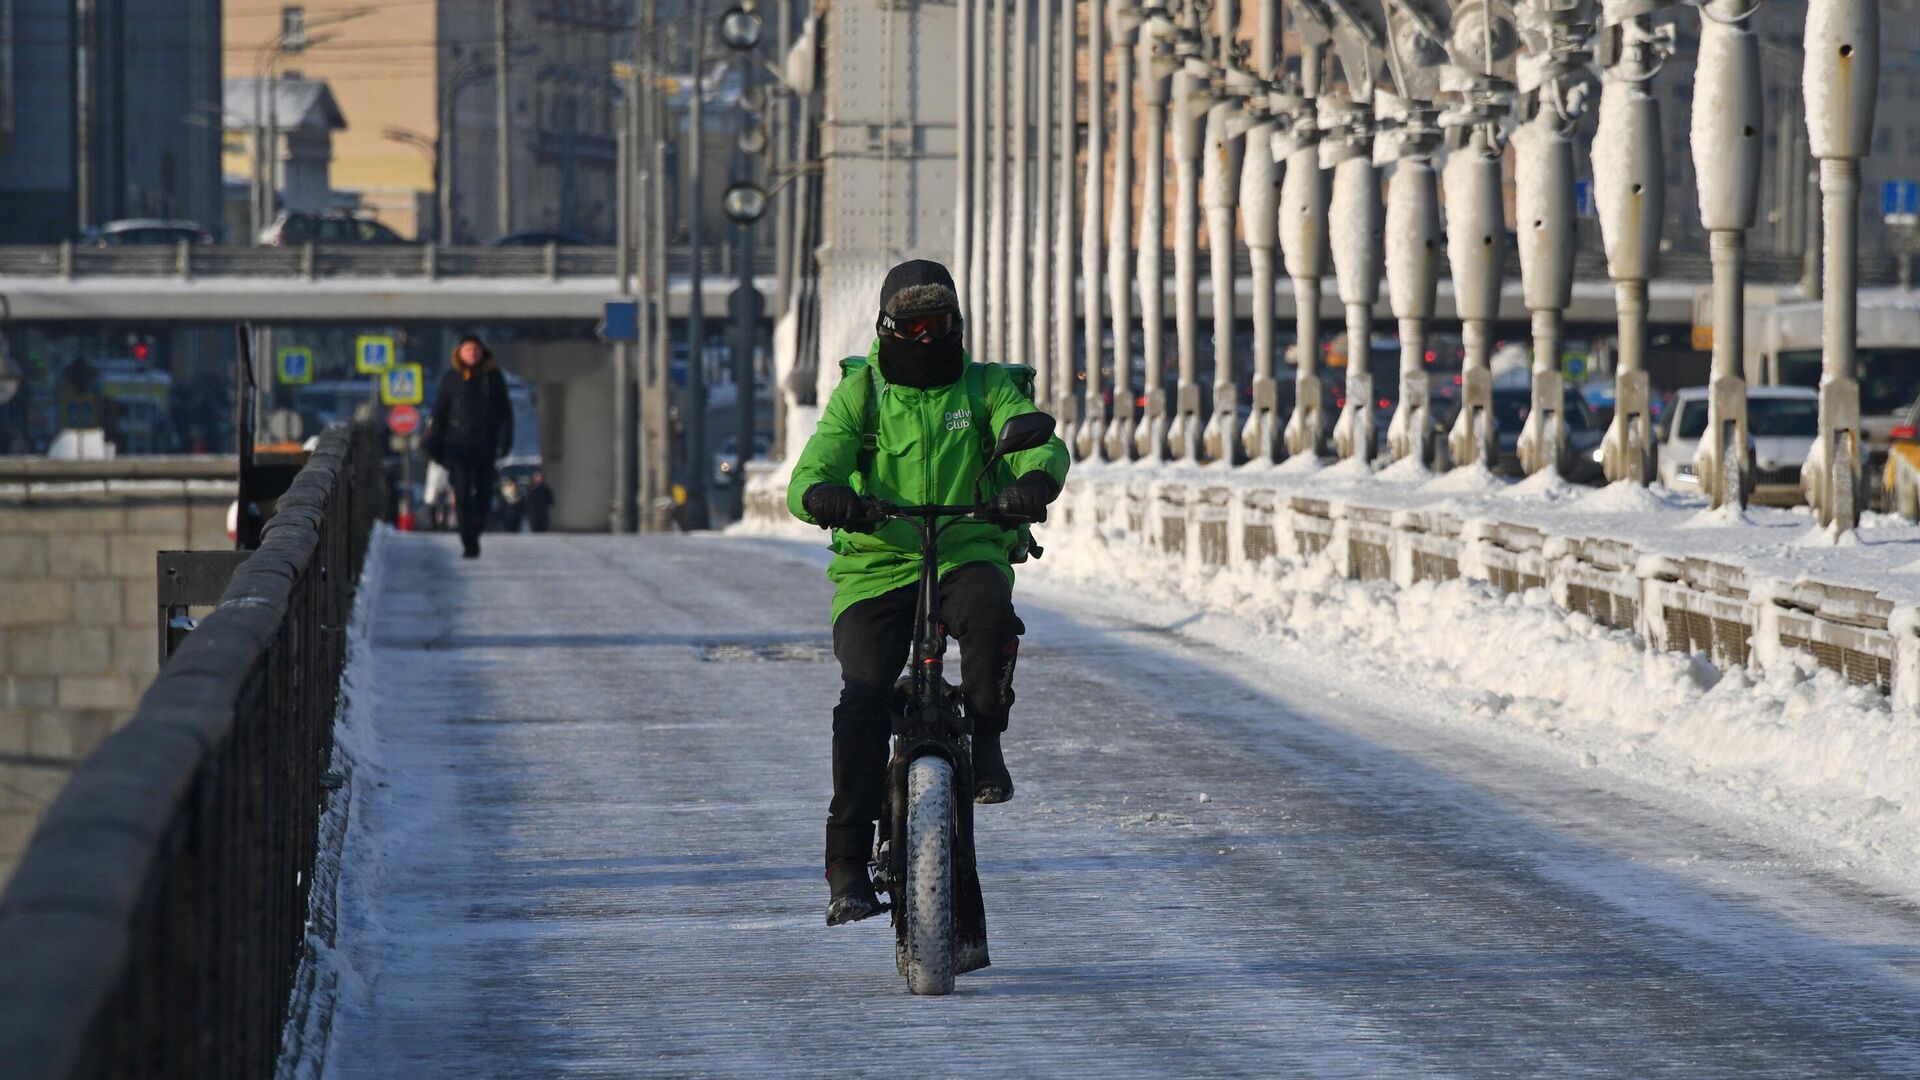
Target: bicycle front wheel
x=929, y=887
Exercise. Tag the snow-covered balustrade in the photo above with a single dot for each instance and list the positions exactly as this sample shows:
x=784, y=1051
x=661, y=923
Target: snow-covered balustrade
x=1750, y=589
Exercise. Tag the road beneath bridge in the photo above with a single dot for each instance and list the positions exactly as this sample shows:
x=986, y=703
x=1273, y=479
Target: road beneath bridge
x=586, y=826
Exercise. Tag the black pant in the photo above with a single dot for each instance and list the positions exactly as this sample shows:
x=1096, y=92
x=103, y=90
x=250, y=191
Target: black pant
x=472, y=483
x=872, y=639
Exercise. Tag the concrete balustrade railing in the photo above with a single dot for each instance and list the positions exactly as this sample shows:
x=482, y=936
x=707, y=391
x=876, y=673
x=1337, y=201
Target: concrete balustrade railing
x=1632, y=570
x=1394, y=533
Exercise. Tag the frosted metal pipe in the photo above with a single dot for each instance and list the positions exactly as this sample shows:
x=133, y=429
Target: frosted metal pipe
x=1476, y=230
x=1629, y=194
x=1303, y=244
x=1156, y=73
x=1260, y=218
x=1065, y=404
x=994, y=345
x=1127, y=17
x=1020, y=137
x=1839, y=82
x=1726, y=154
x=1039, y=327
x=963, y=164
x=1093, y=417
x=1413, y=258
x=1543, y=203
x=1191, y=102
x=976, y=281
x=1226, y=145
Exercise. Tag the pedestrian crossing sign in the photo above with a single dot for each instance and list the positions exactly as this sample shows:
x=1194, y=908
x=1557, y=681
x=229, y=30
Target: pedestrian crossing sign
x=373, y=354
x=402, y=384
x=294, y=365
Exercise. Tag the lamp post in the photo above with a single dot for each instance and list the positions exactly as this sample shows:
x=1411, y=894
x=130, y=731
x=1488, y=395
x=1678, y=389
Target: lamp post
x=1416, y=54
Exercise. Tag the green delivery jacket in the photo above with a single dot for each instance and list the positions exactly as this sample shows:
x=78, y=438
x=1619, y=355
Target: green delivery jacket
x=928, y=451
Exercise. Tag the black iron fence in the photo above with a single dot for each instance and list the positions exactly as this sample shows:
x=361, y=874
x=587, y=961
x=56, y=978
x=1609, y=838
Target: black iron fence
x=154, y=925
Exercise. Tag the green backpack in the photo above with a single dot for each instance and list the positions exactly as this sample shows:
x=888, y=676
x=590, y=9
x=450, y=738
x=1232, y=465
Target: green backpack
x=976, y=376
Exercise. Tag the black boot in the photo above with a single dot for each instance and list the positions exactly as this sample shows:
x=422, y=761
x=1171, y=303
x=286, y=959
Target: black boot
x=853, y=896
x=469, y=547
x=991, y=781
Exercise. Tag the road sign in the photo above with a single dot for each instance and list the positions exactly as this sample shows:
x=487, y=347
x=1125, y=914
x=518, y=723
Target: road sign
x=373, y=354
x=294, y=365
x=1583, y=204
x=402, y=384
x=1900, y=202
x=403, y=419
x=621, y=322
x=1574, y=366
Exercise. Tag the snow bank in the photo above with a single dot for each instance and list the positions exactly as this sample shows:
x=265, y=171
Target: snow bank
x=1820, y=764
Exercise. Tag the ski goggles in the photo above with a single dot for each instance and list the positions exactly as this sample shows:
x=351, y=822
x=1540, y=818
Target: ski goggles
x=922, y=328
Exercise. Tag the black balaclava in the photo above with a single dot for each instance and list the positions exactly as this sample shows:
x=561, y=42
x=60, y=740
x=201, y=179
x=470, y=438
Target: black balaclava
x=920, y=287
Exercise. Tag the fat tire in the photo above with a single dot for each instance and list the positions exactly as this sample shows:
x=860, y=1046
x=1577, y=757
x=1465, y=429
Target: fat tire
x=929, y=886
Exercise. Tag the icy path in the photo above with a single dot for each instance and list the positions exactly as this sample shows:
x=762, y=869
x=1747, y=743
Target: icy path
x=586, y=842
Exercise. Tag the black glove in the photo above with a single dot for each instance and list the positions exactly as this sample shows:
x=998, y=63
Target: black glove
x=1026, y=499
x=837, y=506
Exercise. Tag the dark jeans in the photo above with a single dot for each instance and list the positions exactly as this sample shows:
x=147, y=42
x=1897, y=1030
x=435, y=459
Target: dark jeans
x=872, y=639
x=472, y=483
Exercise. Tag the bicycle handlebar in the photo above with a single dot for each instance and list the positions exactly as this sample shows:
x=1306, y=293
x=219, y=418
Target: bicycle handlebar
x=931, y=511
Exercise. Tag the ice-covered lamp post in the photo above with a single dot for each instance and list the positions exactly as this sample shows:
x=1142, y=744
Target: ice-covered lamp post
x=1194, y=96
x=1409, y=136
x=1259, y=212
x=1093, y=416
x=1066, y=77
x=1726, y=163
x=1628, y=190
x=1355, y=219
x=1227, y=125
x=1157, y=65
x=1839, y=82
x=1554, y=86
x=1303, y=234
x=1481, y=43
x=1127, y=17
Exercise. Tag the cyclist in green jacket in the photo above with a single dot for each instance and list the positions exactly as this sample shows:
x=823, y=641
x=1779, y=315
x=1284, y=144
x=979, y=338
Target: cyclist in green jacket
x=902, y=427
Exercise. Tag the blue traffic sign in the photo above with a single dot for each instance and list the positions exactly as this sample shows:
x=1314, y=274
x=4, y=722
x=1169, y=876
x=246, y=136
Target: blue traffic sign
x=1583, y=199
x=621, y=321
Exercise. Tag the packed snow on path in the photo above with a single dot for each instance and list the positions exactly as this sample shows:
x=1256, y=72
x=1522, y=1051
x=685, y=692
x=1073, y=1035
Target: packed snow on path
x=1823, y=766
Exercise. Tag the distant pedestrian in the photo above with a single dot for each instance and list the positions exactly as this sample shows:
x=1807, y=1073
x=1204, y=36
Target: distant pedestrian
x=471, y=429
x=539, y=502
x=513, y=505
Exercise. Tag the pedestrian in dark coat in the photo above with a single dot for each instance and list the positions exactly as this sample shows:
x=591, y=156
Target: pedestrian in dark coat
x=471, y=429
x=539, y=503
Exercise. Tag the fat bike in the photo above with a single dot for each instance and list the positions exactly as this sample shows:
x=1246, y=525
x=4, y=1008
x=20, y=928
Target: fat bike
x=924, y=857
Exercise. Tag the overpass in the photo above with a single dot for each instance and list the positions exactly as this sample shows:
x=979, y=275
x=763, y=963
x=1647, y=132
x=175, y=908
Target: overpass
x=1309, y=784
x=337, y=284
x=426, y=283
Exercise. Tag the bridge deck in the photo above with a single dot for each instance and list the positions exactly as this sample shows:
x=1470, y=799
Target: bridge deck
x=586, y=831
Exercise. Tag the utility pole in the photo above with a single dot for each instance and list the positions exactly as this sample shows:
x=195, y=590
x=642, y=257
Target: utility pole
x=696, y=420
x=502, y=123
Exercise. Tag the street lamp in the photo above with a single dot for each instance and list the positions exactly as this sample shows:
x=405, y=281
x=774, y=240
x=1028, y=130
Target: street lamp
x=740, y=29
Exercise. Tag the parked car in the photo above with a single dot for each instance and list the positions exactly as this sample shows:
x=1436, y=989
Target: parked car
x=148, y=232
x=1902, y=478
x=290, y=229
x=1782, y=422
x=539, y=238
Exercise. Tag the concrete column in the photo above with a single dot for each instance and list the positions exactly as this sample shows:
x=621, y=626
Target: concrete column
x=1126, y=19
x=1629, y=194
x=1303, y=244
x=1839, y=83
x=1193, y=99
x=1039, y=328
x=977, y=182
x=1156, y=64
x=1093, y=415
x=963, y=223
x=1226, y=144
x=1065, y=403
x=1726, y=146
x=1019, y=181
x=1543, y=202
x=993, y=344
x=1476, y=231
x=1260, y=218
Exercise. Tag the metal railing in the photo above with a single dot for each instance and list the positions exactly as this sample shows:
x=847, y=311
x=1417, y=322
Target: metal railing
x=429, y=261
x=154, y=925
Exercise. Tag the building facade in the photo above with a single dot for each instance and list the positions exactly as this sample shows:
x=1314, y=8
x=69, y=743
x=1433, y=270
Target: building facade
x=108, y=109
